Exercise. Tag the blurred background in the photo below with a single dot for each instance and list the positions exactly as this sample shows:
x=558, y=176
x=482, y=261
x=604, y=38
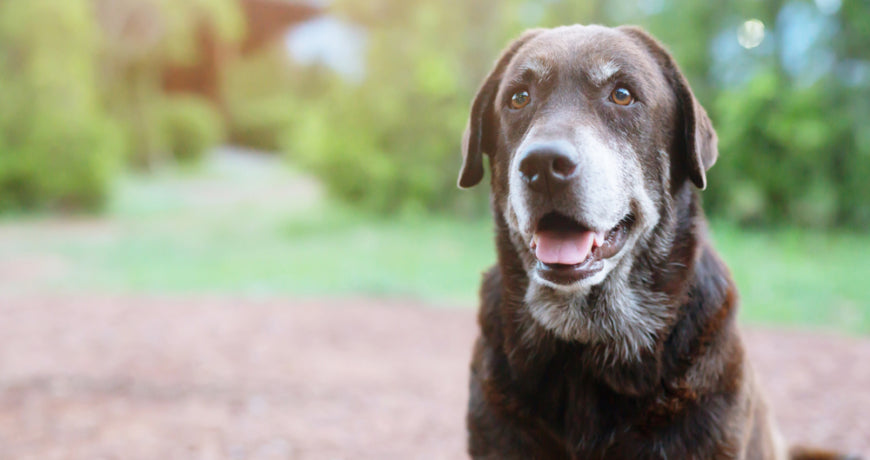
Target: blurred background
x=182, y=180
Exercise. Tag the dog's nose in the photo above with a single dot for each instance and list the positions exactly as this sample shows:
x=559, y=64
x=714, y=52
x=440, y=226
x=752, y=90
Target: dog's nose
x=547, y=164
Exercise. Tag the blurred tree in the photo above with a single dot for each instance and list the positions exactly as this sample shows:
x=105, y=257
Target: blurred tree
x=391, y=141
x=262, y=91
x=191, y=127
x=142, y=37
x=57, y=147
x=80, y=85
x=793, y=142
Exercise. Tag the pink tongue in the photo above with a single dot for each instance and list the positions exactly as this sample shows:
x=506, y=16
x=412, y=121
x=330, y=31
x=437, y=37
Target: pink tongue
x=568, y=248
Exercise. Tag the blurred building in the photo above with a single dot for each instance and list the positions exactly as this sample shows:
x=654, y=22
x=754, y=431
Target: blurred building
x=267, y=21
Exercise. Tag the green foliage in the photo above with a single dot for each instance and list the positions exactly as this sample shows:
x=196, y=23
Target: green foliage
x=80, y=92
x=790, y=156
x=60, y=165
x=184, y=19
x=786, y=136
x=167, y=32
x=57, y=149
x=191, y=127
x=392, y=141
x=261, y=92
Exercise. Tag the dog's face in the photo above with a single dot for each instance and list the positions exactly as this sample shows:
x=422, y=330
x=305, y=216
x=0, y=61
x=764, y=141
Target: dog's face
x=580, y=110
x=588, y=131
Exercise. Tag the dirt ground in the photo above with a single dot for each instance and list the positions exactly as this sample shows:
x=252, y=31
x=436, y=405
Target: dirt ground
x=86, y=377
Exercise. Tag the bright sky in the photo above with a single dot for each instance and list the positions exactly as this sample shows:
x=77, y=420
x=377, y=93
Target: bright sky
x=333, y=43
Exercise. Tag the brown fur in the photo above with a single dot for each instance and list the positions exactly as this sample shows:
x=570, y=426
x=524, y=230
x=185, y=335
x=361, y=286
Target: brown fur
x=689, y=395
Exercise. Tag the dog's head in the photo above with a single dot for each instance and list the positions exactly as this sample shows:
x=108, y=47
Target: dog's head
x=590, y=131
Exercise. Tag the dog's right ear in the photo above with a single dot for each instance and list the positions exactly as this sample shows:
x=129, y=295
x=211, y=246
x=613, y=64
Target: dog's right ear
x=480, y=135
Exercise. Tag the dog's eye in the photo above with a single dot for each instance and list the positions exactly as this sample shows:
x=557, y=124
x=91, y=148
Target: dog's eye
x=621, y=96
x=520, y=99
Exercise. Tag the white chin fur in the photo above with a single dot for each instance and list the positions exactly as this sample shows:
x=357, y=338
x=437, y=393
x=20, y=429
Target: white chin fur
x=625, y=320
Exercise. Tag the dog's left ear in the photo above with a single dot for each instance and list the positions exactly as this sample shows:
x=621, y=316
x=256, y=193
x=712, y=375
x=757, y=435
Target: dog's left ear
x=699, y=138
x=480, y=134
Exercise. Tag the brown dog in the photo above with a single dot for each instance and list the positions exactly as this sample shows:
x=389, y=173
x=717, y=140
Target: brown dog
x=607, y=325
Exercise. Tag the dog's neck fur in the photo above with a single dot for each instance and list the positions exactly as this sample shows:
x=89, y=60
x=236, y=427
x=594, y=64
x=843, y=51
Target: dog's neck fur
x=640, y=349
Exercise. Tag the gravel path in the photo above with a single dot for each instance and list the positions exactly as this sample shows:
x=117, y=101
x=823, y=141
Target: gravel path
x=214, y=378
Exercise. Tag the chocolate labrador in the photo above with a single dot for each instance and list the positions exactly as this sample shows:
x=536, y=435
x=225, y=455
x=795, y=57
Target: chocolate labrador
x=608, y=324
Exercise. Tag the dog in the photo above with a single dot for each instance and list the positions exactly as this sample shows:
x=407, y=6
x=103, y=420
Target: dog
x=607, y=326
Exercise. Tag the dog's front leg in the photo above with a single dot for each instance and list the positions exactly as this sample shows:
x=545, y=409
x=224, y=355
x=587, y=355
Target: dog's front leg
x=498, y=428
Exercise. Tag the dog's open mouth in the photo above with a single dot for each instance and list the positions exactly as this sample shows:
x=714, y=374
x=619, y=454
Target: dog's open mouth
x=568, y=252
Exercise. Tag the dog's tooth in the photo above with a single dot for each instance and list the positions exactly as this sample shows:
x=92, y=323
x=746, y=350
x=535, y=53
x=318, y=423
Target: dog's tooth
x=534, y=243
x=600, y=238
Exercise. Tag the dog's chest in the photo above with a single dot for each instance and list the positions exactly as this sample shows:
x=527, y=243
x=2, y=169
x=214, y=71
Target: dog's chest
x=599, y=424
x=593, y=422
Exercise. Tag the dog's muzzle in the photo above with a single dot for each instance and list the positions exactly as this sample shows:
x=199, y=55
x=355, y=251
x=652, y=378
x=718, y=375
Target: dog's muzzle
x=567, y=248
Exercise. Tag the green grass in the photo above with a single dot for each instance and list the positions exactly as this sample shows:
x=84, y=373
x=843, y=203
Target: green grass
x=169, y=234
x=335, y=253
x=166, y=234
x=799, y=277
